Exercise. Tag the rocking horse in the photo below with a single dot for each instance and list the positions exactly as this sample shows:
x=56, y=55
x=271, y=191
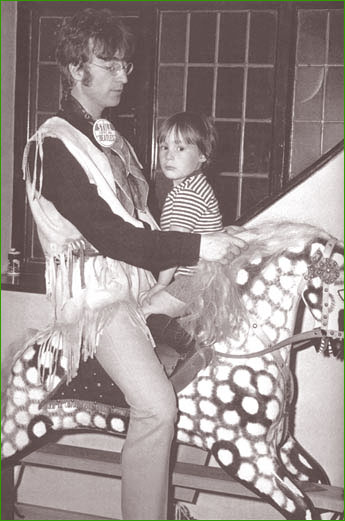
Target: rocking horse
x=237, y=407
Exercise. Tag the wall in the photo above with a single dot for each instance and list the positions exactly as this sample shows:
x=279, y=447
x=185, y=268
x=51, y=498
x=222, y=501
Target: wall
x=8, y=54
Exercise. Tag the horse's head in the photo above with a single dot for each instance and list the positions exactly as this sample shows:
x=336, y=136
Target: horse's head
x=324, y=295
x=262, y=287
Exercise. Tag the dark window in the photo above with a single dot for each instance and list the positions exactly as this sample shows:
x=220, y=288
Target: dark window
x=318, y=103
x=269, y=73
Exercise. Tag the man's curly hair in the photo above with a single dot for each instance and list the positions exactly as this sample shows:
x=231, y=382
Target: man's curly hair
x=90, y=32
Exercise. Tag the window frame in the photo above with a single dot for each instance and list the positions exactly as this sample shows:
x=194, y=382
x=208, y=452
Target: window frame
x=28, y=13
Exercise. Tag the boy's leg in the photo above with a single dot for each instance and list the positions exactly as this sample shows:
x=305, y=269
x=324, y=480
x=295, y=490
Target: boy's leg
x=164, y=303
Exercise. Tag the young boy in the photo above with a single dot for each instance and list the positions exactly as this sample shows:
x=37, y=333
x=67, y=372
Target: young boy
x=186, y=145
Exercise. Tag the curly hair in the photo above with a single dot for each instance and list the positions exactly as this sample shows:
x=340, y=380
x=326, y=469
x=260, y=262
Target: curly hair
x=193, y=128
x=90, y=32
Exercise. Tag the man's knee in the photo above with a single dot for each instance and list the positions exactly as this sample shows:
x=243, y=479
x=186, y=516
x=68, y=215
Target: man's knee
x=165, y=409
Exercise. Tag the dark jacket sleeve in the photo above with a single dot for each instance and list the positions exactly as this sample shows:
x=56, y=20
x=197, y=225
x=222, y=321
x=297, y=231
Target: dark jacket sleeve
x=67, y=187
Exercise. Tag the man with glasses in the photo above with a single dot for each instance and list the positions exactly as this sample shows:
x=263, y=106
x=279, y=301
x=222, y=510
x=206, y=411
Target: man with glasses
x=88, y=197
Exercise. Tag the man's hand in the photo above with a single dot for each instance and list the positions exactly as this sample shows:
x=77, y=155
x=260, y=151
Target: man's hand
x=221, y=246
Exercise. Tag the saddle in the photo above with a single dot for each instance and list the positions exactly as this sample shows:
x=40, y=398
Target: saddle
x=175, y=349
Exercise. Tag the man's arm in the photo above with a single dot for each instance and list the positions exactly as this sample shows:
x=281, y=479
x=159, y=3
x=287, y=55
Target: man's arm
x=67, y=187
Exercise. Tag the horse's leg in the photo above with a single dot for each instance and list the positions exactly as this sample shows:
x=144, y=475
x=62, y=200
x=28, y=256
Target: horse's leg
x=24, y=424
x=300, y=463
x=264, y=474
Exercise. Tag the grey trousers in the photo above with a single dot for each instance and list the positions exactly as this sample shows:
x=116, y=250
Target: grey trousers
x=129, y=358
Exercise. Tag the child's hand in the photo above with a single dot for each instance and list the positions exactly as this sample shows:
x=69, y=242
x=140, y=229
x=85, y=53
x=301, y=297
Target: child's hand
x=146, y=296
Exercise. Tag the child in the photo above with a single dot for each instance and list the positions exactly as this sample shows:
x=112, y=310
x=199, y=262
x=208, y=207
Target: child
x=186, y=145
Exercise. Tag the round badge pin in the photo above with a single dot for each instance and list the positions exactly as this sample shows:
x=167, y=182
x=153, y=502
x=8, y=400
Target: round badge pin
x=104, y=132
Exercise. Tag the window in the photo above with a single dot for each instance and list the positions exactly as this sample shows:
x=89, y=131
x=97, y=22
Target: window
x=269, y=73
x=38, y=94
x=318, y=110
x=223, y=66
x=237, y=65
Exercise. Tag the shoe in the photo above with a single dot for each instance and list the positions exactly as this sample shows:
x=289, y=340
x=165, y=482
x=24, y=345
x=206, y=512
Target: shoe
x=189, y=366
x=167, y=330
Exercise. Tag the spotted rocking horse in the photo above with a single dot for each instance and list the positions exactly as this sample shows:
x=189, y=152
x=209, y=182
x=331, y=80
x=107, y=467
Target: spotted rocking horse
x=237, y=407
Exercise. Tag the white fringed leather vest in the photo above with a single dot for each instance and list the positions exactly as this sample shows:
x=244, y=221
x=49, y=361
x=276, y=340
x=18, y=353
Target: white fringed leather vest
x=84, y=287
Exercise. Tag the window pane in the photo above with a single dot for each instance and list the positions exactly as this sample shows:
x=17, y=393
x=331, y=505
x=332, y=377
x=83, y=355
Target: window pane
x=309, y=91
x=129, y=95
x=170, y=90
x=173, y=30
x=253, y=191
x=262, y=38
x=311, y=44
x=228, y=149
x=229, y=92
x=332, y=134
x=202, y=37
x=336, y=37
x=37, y=252
x=126, y=126
x=307, y=138
x=226, y=189
x=260, y=93
x=318, y=97
x=334, y=108
x=232, y=38
x=199, y=99
x=48, y=88
x=48, y=38
x=257, y=148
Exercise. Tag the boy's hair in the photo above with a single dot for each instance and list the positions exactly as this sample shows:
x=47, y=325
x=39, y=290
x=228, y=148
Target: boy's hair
x=90, y=32
x=194, y=128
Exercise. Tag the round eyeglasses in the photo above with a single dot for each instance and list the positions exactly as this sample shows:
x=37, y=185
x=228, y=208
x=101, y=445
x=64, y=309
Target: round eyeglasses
x=116, y=67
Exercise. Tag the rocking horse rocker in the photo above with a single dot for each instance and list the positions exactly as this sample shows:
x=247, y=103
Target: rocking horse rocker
x=237, y=407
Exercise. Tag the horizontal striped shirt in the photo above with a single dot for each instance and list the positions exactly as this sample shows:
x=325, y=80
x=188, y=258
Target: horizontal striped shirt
x=193, y=205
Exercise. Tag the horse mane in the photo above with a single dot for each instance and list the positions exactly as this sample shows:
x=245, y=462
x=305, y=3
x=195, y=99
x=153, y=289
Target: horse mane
x=218, y=312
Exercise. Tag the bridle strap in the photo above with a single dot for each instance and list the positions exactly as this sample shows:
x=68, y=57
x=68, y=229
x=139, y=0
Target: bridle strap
x=294, y=339
x=325, y=285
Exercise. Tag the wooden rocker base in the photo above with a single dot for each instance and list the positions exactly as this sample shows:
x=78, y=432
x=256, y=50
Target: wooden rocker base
x=185, y=475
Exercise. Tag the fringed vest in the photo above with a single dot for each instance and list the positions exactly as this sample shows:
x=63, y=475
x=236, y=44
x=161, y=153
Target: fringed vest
x=84, y=287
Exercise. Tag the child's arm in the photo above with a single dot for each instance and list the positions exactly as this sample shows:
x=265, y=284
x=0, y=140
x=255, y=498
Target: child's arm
x=166, y=276
x=164, y=279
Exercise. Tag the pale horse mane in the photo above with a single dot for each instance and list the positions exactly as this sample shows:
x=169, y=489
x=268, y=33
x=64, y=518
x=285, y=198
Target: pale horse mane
x=216, y=312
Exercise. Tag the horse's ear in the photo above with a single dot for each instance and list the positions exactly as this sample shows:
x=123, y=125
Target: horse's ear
x=312, y=298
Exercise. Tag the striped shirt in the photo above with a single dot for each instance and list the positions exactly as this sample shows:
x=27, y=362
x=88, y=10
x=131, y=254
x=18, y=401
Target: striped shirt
x=193, y=205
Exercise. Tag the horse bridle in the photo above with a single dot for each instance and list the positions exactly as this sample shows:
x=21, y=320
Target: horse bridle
x=328, y=270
